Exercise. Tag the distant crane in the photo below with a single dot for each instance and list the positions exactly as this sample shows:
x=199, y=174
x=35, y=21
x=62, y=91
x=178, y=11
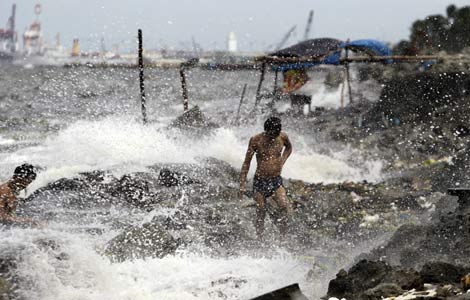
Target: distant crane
x=10, y=30
x=309, y=25
x=285, y=38
x=103, y=46
x=196, y=47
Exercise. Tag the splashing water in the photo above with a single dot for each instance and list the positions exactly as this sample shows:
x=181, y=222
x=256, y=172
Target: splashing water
x=125, y=145
x=120, y=144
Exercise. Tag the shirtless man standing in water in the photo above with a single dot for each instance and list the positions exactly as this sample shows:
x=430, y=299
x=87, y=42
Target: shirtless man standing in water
x=22, y=177
x=270, y=157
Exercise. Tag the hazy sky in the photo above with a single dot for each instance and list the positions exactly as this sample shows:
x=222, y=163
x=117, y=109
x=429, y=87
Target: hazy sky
x=256, y=23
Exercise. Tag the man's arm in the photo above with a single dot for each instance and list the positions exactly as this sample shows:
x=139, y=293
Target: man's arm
x=246, y=166
x=287, y=150
x=6, y=211
x=18, y=220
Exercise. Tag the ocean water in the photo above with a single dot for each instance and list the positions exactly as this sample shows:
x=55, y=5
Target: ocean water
x=71, y=120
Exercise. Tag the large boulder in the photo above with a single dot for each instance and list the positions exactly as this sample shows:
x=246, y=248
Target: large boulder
x=373, y=280
x=383, y=290
x=446, y=240
x=418, y=97
x=147, y=241
x=441, y=272
x=361, y=277
x=171, y=178
x=193, y=119
x=8, y=286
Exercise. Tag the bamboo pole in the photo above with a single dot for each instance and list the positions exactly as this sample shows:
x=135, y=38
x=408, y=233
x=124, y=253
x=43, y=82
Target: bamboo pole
x=342, y=88
x=240, y=105
x=348, y=76
x=274, y=89
x=141, y=77
x=184, y=88
x=275, y=83
x=394, y=58
x=260, y=84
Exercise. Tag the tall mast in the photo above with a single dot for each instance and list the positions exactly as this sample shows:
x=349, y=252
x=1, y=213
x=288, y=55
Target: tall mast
x=309, y=25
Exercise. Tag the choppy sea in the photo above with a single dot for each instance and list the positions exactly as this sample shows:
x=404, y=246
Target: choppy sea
x=72, y=120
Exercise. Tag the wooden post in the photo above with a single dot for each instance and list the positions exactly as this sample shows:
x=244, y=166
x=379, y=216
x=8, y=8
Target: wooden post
x=342, y=88
x=260, y=84
x=274, y=90
x=240, y=105
x=275, y=83
x=141, y=77
x=184, y=88
x=348, y=77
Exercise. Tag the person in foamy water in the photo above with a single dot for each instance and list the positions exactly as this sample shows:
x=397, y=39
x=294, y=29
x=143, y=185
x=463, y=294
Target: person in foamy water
x=22, y=177
x=272, y=148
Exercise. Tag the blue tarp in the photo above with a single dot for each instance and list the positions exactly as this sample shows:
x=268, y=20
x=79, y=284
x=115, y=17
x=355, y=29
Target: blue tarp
x=371, y=47
x=330, y=56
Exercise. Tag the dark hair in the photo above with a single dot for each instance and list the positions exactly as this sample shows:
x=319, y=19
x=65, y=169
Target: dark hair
x=25, y=171
x=272, y=124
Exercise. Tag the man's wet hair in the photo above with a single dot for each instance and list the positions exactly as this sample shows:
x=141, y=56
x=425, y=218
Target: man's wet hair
x=25, y=171
x=273, y=124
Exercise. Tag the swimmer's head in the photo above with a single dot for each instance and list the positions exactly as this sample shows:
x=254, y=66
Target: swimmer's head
x=273, y=127
x=24, y=175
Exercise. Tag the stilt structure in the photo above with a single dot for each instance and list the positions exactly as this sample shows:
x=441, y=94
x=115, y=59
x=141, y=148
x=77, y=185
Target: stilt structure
x=141, y=77
x=184, y=88
x=260, y=84
x=240, y=105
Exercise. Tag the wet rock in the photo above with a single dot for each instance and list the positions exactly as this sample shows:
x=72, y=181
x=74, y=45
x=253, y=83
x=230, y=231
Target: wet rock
x=193, y=119
x=406, y=279
x=132, y=189
x=373, y=279
x=228, y=237
x=47, y=244
x=445, y=240
x=6, y=289
x=383, y=290
x=170, y=178
x=447, y=291
x=361, y=277
x=7, y=264
x=464, y=296
x=230, y=281
x=65, y=184
x=291, y=292
x=175, y=222
x=441, y=272
x=147, y=241
x=416, y=98
x=94, y=177
x=403, y=246
x=207, y=171
x=8, y=284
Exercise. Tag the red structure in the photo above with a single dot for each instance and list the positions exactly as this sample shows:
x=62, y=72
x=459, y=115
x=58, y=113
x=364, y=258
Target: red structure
x=8, y=36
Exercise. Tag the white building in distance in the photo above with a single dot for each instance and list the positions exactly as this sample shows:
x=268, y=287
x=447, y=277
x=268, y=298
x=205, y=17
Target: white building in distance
x=232, y=42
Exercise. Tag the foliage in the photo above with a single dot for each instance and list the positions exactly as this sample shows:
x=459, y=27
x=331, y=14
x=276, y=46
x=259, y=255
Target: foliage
x=438, y=33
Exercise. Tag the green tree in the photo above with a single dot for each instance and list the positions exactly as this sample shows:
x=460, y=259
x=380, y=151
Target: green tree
x=438, y=32
x=459, y=37
x=451, y=9
x=430, y=35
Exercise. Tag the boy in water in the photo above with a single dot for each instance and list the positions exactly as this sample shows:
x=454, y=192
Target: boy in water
x=22, y=177
x=272, y=148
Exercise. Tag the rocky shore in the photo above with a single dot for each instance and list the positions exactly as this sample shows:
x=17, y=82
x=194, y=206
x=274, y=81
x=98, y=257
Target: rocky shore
x=418, y=127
